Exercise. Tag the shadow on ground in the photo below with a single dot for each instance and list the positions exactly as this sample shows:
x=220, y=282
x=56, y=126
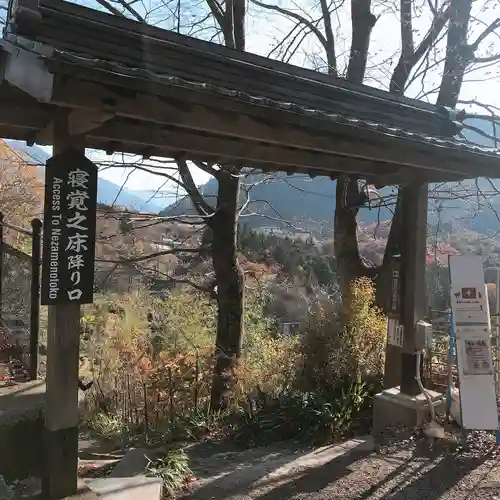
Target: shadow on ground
x=410, y=473
x=233, y=475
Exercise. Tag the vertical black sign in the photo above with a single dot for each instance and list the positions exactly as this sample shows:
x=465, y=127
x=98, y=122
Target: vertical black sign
x=394, y=305
x=69, y=229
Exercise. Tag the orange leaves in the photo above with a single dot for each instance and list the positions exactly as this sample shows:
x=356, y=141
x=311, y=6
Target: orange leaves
x=145, y=366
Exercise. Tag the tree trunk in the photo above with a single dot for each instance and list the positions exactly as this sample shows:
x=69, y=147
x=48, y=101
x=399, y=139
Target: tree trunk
x=230, y=290
x=349, y=264
x=383, y=275
x=330, y=39
x=346, y=249
x=458, y=53
x=363, y=22
x=239, y=24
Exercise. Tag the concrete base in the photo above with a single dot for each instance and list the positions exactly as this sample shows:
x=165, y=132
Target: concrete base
x=83, y=492
x=391, y=407
x=135, y=462
x=127, y=488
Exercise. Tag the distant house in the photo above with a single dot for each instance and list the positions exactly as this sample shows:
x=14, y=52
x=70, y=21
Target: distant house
x=285, y=233
x=289, y=327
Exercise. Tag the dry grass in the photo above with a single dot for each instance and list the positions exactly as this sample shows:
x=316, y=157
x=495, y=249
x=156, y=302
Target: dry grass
x=156, y=377
x=151, y=376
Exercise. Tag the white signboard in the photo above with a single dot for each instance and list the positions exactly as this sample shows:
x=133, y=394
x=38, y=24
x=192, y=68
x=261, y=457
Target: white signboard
x=469, y=303
x=472, y=328
x=477, y=357
x=394, y=332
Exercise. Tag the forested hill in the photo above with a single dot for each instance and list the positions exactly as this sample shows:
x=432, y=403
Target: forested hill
x=308, y=203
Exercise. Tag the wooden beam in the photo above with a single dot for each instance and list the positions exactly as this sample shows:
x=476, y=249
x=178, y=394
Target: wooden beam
x=80, y=121
x=408, y=177
x=174, y=142
x=26, y=70
x=413, y=264
x=23, y=115
x=274, y=126
x=63, y=342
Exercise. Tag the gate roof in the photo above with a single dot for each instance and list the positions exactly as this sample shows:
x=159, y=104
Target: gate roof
x=135, y=88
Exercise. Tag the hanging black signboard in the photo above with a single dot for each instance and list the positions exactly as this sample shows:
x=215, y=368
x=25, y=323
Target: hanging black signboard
x=69, y=229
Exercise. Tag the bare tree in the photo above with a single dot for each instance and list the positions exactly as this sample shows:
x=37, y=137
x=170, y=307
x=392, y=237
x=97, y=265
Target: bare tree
x=449, y=26
x=20, y=188
x=219, y=220
x=228, y=20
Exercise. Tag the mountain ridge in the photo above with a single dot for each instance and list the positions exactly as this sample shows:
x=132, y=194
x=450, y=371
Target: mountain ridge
x=108, y=193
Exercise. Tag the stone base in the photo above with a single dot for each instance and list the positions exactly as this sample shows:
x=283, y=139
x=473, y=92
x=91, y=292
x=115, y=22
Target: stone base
x=83, y=492
x=391, y=407
x=127, y=488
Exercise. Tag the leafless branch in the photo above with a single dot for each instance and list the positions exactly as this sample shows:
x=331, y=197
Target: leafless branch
x=294, y=15
x=150, y=256
x=201, y=206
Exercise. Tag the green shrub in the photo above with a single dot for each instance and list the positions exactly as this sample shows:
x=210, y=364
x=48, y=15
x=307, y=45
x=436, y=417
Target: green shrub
x=109, y=427
x=338, y=368
x=349, y=342
x=173, y=469
x=305, y=415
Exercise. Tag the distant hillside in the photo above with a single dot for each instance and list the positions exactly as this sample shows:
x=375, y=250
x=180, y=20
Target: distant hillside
x=309, y=204
x=108, y=193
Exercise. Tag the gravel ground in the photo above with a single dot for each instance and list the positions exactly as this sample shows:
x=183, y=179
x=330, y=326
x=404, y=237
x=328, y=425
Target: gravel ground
x=405, y=467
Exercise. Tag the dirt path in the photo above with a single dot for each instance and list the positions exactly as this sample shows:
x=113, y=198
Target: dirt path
x=351, y=472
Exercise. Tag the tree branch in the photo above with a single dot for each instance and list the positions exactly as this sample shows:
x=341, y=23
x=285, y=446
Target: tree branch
x=201, y=206
x=314, y=29
x=408, y=61
x=329, y=38
x=150, y=256
x=217, y=12
x=132, y=11
x=487, y=59
x=489, y=29
x=482, y=133
x=181, y=281
x=207, y=168
x=108, y=6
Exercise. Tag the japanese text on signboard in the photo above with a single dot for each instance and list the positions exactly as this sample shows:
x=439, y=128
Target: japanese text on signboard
x=69, y=237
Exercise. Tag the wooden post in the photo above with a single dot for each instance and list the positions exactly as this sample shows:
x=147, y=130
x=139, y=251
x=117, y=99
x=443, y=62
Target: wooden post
x=1, y=265
x=61, y=399
x=413, y=266
x=36, y=234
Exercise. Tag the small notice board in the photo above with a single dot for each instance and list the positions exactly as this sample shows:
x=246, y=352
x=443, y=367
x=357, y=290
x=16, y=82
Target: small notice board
x=472, y=327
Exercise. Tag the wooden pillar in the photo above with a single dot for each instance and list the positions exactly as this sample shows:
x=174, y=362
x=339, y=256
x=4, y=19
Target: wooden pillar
x=392, y=369
x=413, y=266
x=61, y=399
